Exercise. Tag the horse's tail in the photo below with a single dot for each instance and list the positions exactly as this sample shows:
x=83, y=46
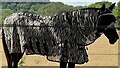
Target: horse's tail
x=5, y=45
x=4, y=42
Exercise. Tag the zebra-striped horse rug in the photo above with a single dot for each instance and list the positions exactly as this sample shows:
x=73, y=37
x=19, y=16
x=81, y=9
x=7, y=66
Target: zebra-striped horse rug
x=61, y=37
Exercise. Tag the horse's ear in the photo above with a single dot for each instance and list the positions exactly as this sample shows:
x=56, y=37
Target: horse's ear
x=103, y=7
x=112, y=6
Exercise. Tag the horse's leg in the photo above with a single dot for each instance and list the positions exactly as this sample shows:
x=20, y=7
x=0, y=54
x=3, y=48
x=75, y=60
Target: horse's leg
x=15, y=59
x=71, y=65
x=12, y=59
x=63, y=64
x=8, y=57
x=9, y=62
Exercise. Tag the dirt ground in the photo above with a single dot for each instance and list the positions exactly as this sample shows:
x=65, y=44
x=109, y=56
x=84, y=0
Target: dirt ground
x=101, y=53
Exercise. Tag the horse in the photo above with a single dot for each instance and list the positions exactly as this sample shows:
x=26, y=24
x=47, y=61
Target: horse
x=61, y=37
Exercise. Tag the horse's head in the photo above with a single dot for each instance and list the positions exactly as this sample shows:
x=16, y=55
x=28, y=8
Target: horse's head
x=106, y=21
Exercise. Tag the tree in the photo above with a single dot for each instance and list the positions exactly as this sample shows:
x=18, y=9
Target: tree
x=4, y=5
x=12, y=6
x=52, y=8
x=118, y=18
x=32, y=9
x=99, y=4
x=23, y=7
x=6, y=12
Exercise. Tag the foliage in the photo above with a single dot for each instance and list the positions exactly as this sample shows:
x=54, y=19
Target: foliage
x=118, y=18
x=99, y=4
x=6, y=12
x=49, y=8
x=44, y=9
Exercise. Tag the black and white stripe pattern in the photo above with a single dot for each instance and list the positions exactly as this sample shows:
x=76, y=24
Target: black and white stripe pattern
x=62, y=37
